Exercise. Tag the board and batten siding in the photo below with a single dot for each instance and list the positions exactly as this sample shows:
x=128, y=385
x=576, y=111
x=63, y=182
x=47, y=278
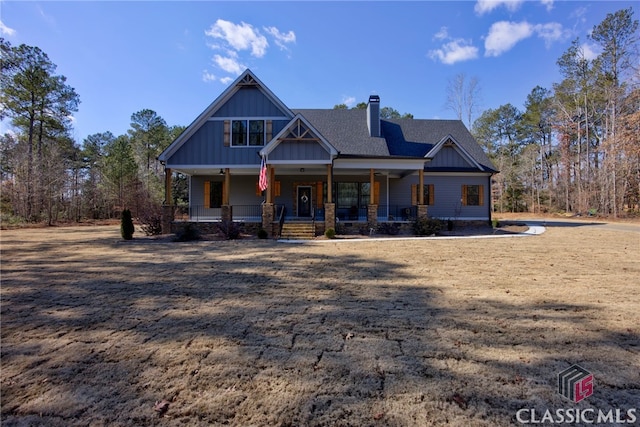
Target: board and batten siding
x=206, y=147
x=300, y=150
x=249, y=102
x=447, y=196
x=448, y=157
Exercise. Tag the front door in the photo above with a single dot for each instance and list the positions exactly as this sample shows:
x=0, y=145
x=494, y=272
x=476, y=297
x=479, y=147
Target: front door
x=304, y=201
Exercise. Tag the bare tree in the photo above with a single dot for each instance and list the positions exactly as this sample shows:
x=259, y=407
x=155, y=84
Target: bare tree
x=463, y=97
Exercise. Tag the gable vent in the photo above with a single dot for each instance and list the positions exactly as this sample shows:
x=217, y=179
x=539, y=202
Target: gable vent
x=247, y=80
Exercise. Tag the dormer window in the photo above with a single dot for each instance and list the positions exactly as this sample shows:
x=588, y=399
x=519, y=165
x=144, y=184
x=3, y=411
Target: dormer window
x=247, y=133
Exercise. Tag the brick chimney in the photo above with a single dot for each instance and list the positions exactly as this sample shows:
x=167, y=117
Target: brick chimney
x=373, y=115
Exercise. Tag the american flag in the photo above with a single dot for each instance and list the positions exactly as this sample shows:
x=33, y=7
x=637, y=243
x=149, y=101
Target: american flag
x=262, y=182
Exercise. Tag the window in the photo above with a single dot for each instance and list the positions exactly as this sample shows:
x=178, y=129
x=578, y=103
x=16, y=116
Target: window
x=472, y=195
x=247, y=133
x=213, y=194
x=256, y=132
x=428, y=194
x=351, y=194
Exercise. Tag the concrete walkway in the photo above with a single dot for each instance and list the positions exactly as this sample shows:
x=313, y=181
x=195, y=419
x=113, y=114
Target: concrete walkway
x=534, y=229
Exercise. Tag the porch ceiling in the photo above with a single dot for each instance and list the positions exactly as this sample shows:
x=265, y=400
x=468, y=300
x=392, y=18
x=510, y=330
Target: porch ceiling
x=313, y=170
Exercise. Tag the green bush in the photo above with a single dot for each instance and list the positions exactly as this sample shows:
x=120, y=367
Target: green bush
x=262, y=234
x=126, y=226
x=427, y=226
x=330, y=233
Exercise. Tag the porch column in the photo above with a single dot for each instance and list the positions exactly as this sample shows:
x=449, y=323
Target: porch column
x=421, y=187
x=422, y=208
x=329, y=207
x=329, y=184
x=167, y=207
x=372, y=209
x=225, y=210
x=271, y=174
x=168, y=175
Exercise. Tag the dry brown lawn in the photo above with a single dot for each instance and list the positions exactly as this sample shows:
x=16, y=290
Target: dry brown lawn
x=96, y=331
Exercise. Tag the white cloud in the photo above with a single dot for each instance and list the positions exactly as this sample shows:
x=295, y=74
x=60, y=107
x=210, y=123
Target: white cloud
x=226, y=80
x=551, y=32
x=455, y=51
x=505, y=35
x=548, y=4
x=590, y=51
x=6, y=30
x=281, y=39
x=208, y=77
x=486, y=6
x=239, y=36
x=229, y=64
x=236, y=43
x=442, y=34
x=349, y=101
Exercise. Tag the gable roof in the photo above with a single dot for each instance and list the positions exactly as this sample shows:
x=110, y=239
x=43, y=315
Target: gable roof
x=245, y=79
x=299, y=128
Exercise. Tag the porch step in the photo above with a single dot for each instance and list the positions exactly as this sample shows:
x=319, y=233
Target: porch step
x=298, y=230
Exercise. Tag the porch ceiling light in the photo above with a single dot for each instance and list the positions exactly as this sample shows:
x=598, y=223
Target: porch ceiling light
x=221, y=171
x=301, y=169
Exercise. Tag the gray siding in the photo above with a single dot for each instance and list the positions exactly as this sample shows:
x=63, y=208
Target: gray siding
x=448, y=157
x=299, y=150
x=242, y=189
x=249, y=102
x=206, y=147
x=447, y=195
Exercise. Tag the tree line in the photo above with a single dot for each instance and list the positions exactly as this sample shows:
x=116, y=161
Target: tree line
x=575, y=147
x=48, y=177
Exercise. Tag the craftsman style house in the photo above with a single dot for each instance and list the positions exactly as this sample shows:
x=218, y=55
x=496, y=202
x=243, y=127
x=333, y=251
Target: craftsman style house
x=334, y=167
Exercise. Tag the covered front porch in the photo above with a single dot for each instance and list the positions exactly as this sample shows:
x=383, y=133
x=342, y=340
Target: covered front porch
x=329, y=199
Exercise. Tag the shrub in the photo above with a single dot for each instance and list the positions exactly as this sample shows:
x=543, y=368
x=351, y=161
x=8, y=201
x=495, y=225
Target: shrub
x=126, y=225
x=188, y=233
x=229, y=230
x=262, y=234
x=390, y=228
x=150, y=218
x=330, y=233
x=427, y=226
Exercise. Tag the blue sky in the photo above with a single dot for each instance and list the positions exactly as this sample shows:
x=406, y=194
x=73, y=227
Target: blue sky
x=177, y=57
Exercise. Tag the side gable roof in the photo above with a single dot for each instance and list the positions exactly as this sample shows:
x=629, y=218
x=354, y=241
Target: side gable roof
x=245, y=79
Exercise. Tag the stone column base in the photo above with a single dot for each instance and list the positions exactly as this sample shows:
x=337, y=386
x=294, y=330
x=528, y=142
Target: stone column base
x=167, y=218
x=329, y=216
x=267, y=218
x=372, y=217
